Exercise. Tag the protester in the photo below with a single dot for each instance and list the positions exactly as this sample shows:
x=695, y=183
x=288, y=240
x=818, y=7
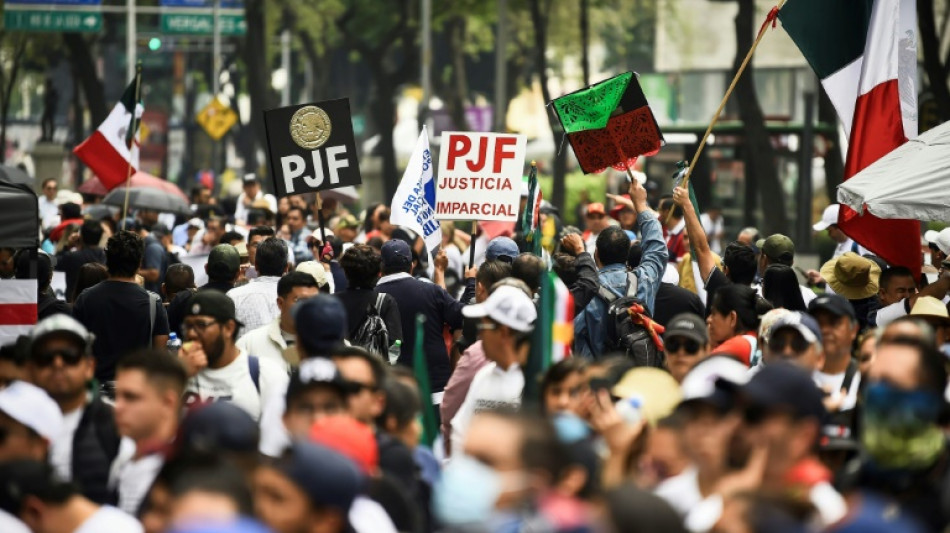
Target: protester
x=122, y=315
x=565, y=386
x=733, y=320
x=579, y=272
x=296, y=220
x=217, y=369
x=48, y=208
x=864, y=350
x=87, y=251
x=252, y=193
x=313, y=341
x=256, y=303
x=611, y=255
x=780, y=288
x=595, y=219
x=674, y=227
x=270, y=341
x=30, y=421
x=207, y=238
x=222, y=268
x=89, y=275
x=671, y=300
x=854, y=278
x=839, y=328
x=13, y=360
x=686, y=343
x=529, y=268
x=414, y=297
x=714, y=227
x=47, y=304
x=780, y=250
x=507, y=319
x=795, y=338
x=61, y=364
x=843, y=243
x=148, y=399
x=155, y=261
x=363, y=303
x=33, y=492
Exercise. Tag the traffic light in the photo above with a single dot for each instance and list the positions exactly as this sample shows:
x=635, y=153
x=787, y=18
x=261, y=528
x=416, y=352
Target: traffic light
x=154, y=44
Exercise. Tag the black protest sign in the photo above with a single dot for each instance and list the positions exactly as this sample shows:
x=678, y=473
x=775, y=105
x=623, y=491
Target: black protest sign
x=311, y=147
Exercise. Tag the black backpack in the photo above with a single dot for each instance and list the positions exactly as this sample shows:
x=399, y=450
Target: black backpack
x=623, y=334
x=372, y=334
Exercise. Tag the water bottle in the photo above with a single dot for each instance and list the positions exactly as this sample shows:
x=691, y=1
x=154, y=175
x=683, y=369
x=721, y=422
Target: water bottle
x=394, y=352
x=174, y=344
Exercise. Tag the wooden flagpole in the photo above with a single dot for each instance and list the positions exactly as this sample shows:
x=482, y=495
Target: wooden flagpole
x=773, y=14
x=134, y=125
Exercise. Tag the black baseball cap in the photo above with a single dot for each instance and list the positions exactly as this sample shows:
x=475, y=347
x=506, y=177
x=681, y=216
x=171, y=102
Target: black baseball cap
x=321, y=323
x=24, y=478
x=219, y=426
x=224, y=261
x=316, y=372
x=327, y=477
x=687, y=325
x=784, y=387
x=396, y=254
x=833, y=303
x=211, y=303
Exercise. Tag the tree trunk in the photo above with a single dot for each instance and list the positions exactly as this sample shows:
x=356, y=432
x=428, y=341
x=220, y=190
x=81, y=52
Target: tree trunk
x=559, y=167
x=85, y=66
x=255, y=57
x=7, y=96
x=78, y=125
x=930, y=42
x=585, y=40
x=834, y=162
x=458, y=88
x=760, y=160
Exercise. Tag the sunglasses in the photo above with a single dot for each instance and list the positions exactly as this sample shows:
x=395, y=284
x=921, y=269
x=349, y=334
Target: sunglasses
x=797, y=342
x=69, y=357
x=675, y=344
x=355, y=387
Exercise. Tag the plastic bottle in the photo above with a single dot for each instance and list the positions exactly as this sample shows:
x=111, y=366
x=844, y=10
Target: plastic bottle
x=174, y=344
x=394, y=352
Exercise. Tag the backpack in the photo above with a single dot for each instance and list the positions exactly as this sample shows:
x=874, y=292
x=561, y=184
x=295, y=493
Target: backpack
x=372, y=334
x=624, y=334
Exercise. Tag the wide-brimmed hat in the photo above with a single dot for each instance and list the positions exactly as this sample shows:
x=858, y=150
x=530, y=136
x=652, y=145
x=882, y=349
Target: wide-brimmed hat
x=852, y=276
x=932, y=310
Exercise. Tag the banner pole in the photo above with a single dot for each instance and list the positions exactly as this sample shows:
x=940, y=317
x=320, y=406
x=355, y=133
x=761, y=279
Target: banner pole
x=722, y=105
x=471, y=247
x=323, y=233
x=128, y=174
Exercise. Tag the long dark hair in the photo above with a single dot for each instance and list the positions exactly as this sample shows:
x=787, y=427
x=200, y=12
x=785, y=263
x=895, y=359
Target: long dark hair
x=368, y=219
x=744, y=301
x=780, y=287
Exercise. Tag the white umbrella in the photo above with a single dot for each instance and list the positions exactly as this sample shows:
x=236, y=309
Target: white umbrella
x=912, y=182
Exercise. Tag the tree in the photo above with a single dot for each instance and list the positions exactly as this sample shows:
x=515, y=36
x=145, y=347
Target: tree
x=758, y=153
x=254, y=52
x=11, y=56
x=385, y=40
x=936, y=65
x=84, y=65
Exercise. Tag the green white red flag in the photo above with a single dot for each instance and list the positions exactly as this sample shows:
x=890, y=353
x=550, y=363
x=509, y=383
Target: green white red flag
x=114, y=146
x=865, y=52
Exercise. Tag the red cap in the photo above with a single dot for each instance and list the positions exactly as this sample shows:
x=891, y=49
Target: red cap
x=615, y=212
x=349, y=437
x=596, y=208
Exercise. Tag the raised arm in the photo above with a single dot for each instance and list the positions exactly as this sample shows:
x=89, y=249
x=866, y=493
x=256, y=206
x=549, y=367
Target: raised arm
x=697, y=236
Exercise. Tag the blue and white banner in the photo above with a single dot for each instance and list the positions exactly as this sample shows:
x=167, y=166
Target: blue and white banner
x=414, y=202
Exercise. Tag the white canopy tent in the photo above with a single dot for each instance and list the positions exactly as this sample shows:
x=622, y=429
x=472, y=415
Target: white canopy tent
x=912, y=182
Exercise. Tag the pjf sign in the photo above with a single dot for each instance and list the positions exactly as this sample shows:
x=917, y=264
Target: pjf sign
x=311, y=147
x=479, y=176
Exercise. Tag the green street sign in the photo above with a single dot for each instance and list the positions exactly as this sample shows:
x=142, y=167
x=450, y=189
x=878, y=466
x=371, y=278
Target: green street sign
x=201, y=24
x=52, y=21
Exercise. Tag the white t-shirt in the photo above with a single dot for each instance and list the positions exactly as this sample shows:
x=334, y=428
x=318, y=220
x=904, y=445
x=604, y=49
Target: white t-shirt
x=807, y=294
x=11, y=524
x=712, y=228
x=833, y=384
x=491, y=388
x=681, y=491
x=61, y=449
x=848, y=246
x=234, y=384
x=108, y=519
x=133, y=477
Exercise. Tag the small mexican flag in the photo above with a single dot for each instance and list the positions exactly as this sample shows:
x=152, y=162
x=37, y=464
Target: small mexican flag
x=865, y=52
x=609, y=124
x=430, y=424
x=530, y=225
x=553, y=333
x=113, y=147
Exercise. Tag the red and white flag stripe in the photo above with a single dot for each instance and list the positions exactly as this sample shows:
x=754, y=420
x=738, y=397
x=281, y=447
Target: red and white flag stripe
x=17, y=308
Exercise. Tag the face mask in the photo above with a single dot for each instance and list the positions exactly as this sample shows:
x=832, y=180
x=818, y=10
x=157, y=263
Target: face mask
x=900, y=427
x=467, y=492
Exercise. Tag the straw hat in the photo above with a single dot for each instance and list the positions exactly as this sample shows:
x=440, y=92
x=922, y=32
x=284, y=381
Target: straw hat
x=931, y=309
x=654, y=391
x=852, y=276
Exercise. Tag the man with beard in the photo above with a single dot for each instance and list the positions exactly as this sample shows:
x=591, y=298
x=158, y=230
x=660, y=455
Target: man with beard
x=218, y=370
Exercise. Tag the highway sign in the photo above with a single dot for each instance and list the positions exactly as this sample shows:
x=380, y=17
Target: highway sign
x=39, y=20
x=203, y=24
x=216, y=119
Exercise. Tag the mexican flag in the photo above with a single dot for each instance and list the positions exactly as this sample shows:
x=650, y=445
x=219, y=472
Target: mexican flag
x=553, y=333
x=609, y=124
x=110, y=150
x=865, y=52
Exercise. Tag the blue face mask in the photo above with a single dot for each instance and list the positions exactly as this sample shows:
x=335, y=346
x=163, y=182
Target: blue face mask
x=467, y=492
x=900, y=426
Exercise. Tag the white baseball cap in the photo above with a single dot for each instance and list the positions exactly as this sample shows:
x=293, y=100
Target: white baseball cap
x=829, y=217
x=316, y=270
x=31, y=406
x=942, y=240
x=508, y=306
x=700, y=382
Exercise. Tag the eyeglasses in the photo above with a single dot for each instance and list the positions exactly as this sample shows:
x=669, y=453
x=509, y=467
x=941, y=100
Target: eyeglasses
x=676, y=343
x=47, y=358
x=778, y=343
x=198, y=325
x=355, y=387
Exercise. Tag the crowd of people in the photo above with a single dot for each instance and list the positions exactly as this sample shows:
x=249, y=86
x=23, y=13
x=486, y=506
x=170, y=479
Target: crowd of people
x=711, y=386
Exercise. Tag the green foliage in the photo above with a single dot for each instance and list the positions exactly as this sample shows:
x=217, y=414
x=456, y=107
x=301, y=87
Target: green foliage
x=577, y=182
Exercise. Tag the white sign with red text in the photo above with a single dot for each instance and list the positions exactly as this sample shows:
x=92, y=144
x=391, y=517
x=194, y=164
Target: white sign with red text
x=480, y=176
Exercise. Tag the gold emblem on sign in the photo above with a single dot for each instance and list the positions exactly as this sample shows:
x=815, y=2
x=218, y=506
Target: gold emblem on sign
x=310, y=127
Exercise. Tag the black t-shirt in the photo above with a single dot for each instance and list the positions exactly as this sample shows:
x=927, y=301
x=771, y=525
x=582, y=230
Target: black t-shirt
x=117, y=312
x=717, y=279
x=357, y=302
x=70, y=263
x=672, y=300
